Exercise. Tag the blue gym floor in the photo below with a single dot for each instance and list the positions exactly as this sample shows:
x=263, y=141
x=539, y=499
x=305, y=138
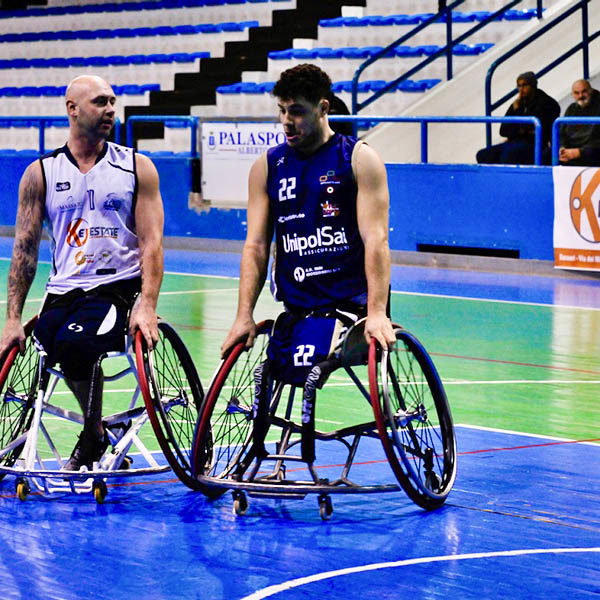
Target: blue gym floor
x=523, y=520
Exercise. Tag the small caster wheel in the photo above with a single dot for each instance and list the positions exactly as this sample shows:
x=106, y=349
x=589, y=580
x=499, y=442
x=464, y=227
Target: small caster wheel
x=127, y=462
x=325, y=507
x=240, y=503
x=22, y=488
x=100, y=491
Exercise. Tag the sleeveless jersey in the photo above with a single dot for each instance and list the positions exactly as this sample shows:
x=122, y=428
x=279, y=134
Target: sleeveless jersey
x=90, y=218
x=319, y=252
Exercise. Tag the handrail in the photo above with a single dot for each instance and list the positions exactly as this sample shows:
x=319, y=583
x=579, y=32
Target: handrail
x=583, y=45
x=191, y=122
x=567, y=121
x=446, y=50
x=466, y=119
x=43, y=122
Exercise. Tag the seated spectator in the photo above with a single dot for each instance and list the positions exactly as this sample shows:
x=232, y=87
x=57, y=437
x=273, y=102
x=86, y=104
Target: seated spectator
x=580, y=144
x=518, y=149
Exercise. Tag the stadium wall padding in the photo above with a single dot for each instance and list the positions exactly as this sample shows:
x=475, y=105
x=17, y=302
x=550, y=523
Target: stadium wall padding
x=494, y=208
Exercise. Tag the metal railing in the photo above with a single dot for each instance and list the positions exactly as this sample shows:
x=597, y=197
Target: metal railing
x=586, y=39
x=43, y=122
x=187, y=121
x=567, y=121
x=446, y=15
x=424, y=121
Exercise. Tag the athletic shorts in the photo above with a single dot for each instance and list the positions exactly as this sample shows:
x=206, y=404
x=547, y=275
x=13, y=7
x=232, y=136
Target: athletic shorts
x=76, y=328
x=299, y=341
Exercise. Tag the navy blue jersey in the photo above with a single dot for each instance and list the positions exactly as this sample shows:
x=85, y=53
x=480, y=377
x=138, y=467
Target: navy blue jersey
x=320, y=255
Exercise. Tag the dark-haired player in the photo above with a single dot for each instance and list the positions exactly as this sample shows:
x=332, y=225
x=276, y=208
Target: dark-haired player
x=325, y=195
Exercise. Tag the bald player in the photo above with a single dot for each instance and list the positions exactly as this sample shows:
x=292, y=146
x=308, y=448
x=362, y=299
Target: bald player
x=102, y=207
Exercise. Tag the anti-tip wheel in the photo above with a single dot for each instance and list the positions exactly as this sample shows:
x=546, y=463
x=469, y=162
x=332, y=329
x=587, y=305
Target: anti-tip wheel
x=23, y=489
x=325, y=507
x=240, y=503
x=100, y=491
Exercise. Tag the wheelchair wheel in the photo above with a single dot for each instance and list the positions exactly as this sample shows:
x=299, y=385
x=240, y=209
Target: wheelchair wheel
x=224, y=430
x=172, y=394
x=18, y=387
x=413, y=419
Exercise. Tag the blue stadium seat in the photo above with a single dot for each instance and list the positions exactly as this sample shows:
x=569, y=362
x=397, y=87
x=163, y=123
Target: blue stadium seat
x=234, y=88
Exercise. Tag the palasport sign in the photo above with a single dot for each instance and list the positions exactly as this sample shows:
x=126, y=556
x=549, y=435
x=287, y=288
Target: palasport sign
x=228, y=151
x=577, y=218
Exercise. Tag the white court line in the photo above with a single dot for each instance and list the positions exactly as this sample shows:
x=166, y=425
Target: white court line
x=482, y=382
x=470, y=298
x=176, y=293
x=524, y=434
x=428, y=295
x=172, y=293
x=519, y=381
x=293, y=583
x=202, y=275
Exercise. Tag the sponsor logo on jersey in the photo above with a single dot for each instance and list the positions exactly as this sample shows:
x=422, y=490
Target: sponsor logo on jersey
x=104, y=256
x=329, y=209
x=70, y=205
x=329, y=179
x=286, y=218
x=63, y=186
x=325, y=239
x=78, y=233
x=112, y=204
x=81, y=258
x=301, y=274
x=104, y=232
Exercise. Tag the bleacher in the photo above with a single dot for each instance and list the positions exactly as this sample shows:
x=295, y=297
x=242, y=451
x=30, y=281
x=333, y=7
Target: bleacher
x=221, y=57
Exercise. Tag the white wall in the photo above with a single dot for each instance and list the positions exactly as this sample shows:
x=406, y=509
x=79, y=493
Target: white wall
x=465, y=94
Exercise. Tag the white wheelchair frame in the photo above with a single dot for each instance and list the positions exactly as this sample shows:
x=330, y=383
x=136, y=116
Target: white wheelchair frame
x=36, y=473
x=32, y=471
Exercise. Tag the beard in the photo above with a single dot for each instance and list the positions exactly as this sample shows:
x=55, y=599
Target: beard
x=583, y=102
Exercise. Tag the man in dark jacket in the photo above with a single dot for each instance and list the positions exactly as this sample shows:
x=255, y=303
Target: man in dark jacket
x=580, y=144
x=518, y=149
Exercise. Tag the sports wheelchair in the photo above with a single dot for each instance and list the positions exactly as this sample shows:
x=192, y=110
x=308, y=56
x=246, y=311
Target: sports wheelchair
x=34, y=432
x=412, y=420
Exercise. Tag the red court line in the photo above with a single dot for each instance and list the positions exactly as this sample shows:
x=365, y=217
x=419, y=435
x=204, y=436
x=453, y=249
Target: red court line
x=362, y=463
x=465, y=453
x=525, y=447
x=516, y=363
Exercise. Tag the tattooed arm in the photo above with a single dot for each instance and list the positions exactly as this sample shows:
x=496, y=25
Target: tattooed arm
x=28, y=231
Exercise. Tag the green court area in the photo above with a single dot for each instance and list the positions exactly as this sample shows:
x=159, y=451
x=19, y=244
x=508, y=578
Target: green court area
x=513, y=366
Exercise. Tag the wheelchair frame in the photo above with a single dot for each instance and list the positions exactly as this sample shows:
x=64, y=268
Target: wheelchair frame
x=224, y=457
x=21, y=456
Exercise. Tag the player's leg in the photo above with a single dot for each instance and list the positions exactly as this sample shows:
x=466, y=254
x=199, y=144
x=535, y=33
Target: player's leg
x=93, y=327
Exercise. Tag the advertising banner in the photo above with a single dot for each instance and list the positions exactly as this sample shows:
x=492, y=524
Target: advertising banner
x=228, y=151
x=577, y=218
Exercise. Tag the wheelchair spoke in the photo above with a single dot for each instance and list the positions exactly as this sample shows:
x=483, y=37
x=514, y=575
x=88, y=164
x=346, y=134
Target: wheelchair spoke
x=415, y=423
x=227, y=423
x=176, y=396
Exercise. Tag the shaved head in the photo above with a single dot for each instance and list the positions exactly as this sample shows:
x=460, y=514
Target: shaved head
x=83, y=84
x=90, y=104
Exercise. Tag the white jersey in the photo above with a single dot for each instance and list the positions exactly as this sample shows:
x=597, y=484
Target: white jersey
x=90, y=218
